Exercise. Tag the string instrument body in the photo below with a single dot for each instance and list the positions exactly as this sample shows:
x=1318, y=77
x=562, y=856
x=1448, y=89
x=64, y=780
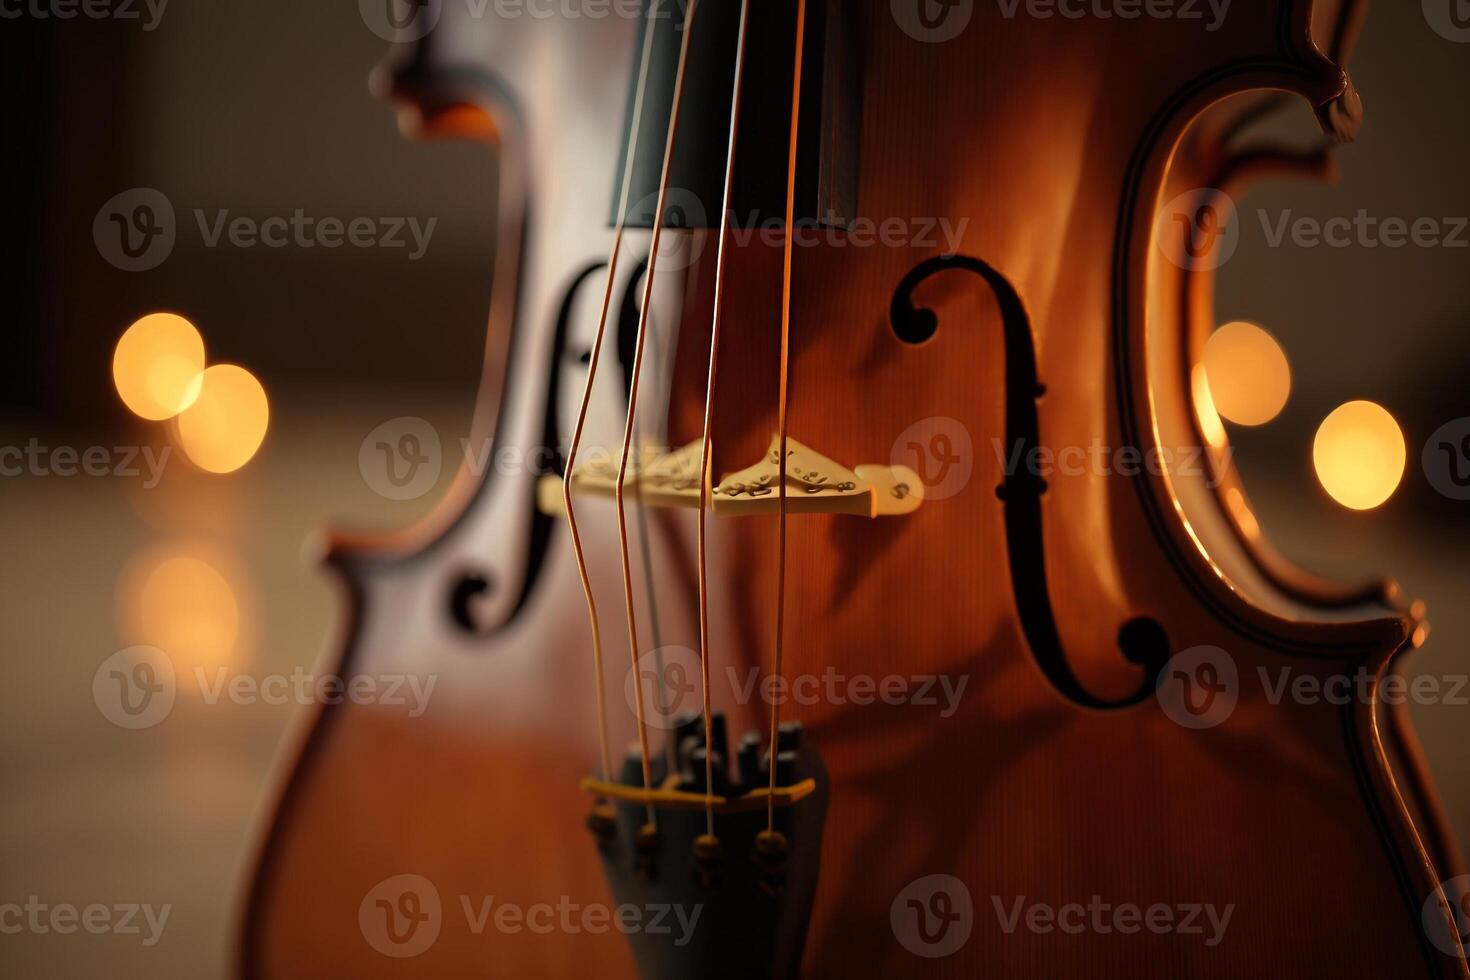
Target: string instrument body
x=1025, y=301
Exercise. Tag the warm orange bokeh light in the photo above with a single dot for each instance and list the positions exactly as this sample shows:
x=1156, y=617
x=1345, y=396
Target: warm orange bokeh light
x=1249, y=377
x=157, y=364
x=1359, y=454
x=181, y=600
x=226, y=424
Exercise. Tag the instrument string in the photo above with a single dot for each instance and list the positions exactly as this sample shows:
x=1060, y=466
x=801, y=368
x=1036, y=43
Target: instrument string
x=634, y=129
x=705, y=476
x=783, y=405
x=638, y=350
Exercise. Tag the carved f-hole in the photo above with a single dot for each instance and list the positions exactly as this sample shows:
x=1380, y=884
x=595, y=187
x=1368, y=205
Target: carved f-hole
x=1140, y=644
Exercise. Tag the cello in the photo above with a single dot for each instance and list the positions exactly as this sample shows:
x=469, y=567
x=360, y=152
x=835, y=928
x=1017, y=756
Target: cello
x=799, y=298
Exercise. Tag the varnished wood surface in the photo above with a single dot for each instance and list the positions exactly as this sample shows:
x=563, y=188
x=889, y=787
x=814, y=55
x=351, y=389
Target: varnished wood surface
x=1286, y=812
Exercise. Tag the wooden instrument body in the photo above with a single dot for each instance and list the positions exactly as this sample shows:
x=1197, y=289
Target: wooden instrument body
x=1055, y=142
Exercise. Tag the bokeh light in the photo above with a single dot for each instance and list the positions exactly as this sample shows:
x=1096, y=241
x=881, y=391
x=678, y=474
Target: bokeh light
x=1359, y=454
x=227, y=423
x=157, y=364
x=184, y=600
x=1249, y=377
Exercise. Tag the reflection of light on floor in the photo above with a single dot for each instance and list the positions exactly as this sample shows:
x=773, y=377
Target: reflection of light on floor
x=189, y=600
x=1249, y=378
x=1359, y=455
x=226, y=424
x=156, y=366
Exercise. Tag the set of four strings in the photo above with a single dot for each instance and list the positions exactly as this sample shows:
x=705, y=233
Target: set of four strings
x=635, y=128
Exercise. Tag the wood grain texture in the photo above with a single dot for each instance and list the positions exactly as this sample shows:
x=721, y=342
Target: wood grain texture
x=1047, y=143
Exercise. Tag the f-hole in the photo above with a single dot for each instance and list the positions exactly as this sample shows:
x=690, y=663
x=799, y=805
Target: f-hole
x=1020, y=493
x=472, y=585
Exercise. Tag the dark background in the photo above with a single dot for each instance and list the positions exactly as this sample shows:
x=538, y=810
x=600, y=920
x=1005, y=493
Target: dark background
x=261, y=107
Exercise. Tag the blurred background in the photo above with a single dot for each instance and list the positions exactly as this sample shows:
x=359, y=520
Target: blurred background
x=257, y=109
